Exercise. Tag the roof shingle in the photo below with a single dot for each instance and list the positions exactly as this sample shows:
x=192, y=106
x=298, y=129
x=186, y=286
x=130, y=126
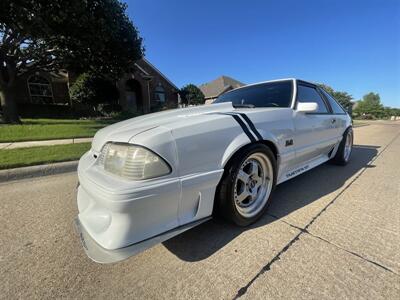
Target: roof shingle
x=216, y=87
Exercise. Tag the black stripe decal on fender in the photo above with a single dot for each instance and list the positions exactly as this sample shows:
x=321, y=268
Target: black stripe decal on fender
x=252, y=127
x=244, y=127
x=250, y=131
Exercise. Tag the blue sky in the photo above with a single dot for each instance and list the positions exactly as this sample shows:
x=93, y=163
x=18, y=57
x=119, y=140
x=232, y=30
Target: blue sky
x=353, y=46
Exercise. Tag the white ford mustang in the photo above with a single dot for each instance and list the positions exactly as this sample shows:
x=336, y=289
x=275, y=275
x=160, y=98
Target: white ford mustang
x=150, y=178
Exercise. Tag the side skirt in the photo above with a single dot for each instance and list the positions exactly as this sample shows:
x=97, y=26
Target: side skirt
x=100, y=255
x=300, y=169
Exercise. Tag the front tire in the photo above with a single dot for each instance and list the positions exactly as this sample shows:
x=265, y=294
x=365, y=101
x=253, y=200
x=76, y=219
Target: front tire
x=244, y=192
x=343, y=153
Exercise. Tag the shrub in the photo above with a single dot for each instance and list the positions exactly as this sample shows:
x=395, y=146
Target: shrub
x=32, y=110
x=95, y=91
x=192, y=95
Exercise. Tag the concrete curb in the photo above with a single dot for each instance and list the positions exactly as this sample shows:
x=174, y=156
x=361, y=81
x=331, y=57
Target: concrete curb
x=36, y=171
x=29, y=144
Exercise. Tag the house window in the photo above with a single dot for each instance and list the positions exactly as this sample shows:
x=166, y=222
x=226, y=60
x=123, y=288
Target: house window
x=40, y=90
x=159, y=94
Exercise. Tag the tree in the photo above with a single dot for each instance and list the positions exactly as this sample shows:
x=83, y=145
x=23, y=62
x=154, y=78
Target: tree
x=390, y=111
x=370, y=105
x=342, y=97
x=192, y=95
x=77, y=35
x=93, y=89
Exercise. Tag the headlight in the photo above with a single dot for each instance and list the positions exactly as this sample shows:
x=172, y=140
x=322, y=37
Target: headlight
x=132, y=162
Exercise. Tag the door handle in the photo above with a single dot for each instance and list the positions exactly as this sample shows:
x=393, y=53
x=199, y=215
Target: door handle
x=333, y=121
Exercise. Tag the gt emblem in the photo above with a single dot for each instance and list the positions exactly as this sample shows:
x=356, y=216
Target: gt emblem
x=289, y=143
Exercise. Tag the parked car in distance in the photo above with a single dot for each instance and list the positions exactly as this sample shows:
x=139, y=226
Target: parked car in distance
x=150, y=178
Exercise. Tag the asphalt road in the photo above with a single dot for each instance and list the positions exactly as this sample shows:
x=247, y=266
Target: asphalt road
x=331, y=233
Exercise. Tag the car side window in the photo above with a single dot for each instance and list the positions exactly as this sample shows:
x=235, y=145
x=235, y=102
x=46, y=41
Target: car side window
x=336, y=108
x=310, y=94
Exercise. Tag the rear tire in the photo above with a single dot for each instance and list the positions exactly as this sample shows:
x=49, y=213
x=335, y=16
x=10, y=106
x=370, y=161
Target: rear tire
x=244, y=192
x=343, y=153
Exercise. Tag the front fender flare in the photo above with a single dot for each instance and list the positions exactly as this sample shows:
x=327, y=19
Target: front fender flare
x=242, y=140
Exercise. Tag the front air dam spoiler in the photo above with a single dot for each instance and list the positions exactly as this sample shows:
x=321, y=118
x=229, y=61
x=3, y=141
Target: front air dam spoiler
x=100, y=255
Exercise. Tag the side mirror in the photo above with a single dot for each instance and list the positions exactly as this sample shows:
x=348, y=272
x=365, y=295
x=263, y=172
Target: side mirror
x=307, y=107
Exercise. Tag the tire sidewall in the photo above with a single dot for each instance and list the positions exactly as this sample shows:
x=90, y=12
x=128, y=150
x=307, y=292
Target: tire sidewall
x=341, y=159
x=227, y=198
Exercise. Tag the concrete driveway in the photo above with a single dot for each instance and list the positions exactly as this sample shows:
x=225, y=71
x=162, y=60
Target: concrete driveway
x=331, y=233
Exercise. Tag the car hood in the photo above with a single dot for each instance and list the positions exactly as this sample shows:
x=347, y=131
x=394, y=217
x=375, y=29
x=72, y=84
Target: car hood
x=126, y=130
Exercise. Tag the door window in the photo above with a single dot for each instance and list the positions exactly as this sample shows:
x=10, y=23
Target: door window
x=336, y=108
x=310, y=94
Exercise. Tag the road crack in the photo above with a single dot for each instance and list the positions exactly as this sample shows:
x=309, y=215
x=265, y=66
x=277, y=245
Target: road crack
x=304, y=230
x=335, y=245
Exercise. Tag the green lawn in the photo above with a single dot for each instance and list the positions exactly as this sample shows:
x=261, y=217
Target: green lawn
x=14, y=158
x=50, y=129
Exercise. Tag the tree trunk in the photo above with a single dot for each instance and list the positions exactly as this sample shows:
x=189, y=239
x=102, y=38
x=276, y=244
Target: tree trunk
x=9, y=106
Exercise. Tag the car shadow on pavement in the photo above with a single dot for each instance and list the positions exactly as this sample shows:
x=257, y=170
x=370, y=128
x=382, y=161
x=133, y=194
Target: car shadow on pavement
x=207, y=238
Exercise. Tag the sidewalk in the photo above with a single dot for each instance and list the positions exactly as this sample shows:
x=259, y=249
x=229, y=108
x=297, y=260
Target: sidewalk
x=44, y=143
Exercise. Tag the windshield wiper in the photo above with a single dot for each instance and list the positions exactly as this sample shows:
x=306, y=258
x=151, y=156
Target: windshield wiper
x=243, y=105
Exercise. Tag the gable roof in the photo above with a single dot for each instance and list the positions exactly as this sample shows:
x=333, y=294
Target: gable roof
x=218, y=86
x=158, y=71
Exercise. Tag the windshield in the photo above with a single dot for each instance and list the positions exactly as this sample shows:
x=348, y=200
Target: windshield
x=270, y=94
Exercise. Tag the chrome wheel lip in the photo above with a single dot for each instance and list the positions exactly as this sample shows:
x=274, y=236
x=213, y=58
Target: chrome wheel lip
x=253, y=185
x=348, y=146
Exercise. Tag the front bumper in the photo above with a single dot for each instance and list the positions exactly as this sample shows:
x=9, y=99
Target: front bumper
x=100, y=255
x=119, y=218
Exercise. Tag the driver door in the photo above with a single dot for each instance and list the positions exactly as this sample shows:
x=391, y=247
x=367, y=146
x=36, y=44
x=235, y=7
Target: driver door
x=314, y=132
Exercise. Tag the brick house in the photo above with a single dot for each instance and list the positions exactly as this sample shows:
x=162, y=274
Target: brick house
x=43, y=88
x=143, y=89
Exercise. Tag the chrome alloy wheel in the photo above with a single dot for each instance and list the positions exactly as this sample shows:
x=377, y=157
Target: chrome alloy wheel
x=253, y=184
x=348, y=145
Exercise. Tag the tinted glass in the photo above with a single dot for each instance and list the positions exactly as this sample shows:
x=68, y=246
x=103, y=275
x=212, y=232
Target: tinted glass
x=309, y=94
x=271, y=94
x=337, y=109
